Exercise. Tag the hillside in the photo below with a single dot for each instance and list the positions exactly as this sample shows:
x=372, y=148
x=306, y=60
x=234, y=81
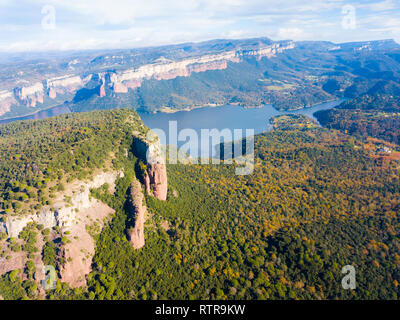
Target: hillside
x=374, y=114
x=252, y=72
x=49, y=215
x=318, y=200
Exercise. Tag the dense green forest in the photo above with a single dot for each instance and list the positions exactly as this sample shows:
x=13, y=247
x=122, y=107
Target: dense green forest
x=317, y=201
x=39, y=157
x=373, y=114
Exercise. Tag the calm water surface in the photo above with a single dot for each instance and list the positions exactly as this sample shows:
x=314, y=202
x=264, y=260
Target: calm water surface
x=231, y=117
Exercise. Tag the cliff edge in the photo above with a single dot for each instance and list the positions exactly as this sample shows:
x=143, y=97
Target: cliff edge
x=155, y=174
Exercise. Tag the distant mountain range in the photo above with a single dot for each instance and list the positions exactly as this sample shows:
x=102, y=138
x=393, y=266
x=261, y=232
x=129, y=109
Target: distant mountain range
x=250, y=72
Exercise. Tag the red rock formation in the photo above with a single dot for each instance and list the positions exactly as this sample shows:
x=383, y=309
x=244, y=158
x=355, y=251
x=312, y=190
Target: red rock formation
x=136, y=235
x=157, y=174
x=39, y=98
x=147, y=185
x=52, y=93
x=79, y=251
x=102, y=92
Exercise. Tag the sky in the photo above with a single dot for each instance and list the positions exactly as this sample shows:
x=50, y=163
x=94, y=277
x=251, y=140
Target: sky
x=47, y=25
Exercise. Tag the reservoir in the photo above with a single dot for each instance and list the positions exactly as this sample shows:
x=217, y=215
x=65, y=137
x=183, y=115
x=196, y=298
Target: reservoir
x=223, y=117
x=230, y=117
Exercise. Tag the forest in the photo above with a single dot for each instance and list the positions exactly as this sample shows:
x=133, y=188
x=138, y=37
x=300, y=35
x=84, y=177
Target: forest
x=366, y=116
x=317, y=201
x=40, y=157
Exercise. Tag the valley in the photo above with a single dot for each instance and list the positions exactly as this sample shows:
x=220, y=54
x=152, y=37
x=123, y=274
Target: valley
x=79, y=194
x=318, y=199
x=250, y=72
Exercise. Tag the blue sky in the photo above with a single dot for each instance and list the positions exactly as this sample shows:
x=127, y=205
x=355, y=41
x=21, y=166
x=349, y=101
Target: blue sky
x=42, y=25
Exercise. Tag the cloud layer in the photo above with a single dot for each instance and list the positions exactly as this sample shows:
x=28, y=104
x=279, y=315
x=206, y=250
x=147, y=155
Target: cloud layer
x=93, y=24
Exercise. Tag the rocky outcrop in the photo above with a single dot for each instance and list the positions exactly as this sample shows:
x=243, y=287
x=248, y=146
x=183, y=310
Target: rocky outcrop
x=268, y=51
x=6, y=100
x=120, y=88
x=102, y=91
x=121, y=81
x=72, y=215
x=30, y=95
x=155, y=175
x=165, y=69
x=157, y=180
x=62, y=85
x=78, y=253
x=62, y=213
x=138, y=211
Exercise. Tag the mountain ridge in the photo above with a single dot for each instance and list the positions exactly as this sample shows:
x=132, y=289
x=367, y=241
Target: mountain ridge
x=119, y=72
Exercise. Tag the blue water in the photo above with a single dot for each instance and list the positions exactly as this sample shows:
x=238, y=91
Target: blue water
x=231, y=117
x=51, y=112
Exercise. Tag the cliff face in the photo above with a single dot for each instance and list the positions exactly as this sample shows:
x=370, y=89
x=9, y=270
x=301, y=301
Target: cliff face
x=6, y=100
x=269, y=51
x=157, y=180
x=30, y=95
x=138, y=211
x=73, y=216
x=61, y=214
x=155, y=176
x=62, y=85
x=165, y=70
x=120, y=82
x=79, y=251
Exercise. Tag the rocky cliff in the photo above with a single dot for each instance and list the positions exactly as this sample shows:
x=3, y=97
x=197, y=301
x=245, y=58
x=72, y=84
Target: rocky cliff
x=63, y=84
x=62, y=213
x=74, y=215
x=138, y=211
x=155, y=176
x=6, y=100
x=30, y=95
x=120, y=82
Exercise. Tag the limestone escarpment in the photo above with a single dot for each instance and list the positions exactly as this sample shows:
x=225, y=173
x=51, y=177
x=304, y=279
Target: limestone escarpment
x=75, y=216
x=30, y=95
x=33, y=94
x=79, y=251
x=62, y=213
x=138, y=211
x=269, y=51
x=156, y=180
x=62, y=85
x=6, y=100
x=165, y=70
x=52, y=91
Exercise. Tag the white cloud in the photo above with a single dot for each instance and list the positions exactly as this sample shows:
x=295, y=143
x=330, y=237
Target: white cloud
x=380, y=5
x=292, y=33
x=126, y=23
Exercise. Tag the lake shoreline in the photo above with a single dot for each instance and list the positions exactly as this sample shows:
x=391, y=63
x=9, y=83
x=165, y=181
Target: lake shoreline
x=169, y=110
x=163, y=110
